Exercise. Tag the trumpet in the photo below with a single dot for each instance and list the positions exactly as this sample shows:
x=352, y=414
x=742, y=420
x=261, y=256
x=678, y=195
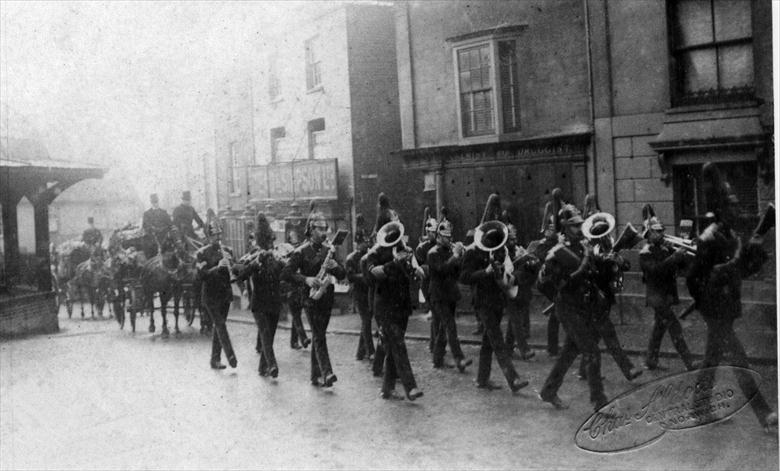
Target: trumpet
x=679, y=243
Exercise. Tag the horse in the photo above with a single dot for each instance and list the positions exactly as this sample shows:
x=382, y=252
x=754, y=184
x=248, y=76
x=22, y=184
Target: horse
x=164, y=274
x=69, y=255
x=91, y=282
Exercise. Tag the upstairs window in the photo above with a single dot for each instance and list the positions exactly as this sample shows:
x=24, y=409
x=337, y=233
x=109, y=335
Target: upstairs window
x=313, y=63
x=712, y=49
x=488, y=84
x=280, y=150
x=317, y=139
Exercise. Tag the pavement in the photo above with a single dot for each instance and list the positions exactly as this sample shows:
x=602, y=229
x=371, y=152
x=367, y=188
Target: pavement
x=96, y=397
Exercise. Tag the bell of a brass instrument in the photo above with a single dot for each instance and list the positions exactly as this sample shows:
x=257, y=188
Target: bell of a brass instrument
x=627, y=239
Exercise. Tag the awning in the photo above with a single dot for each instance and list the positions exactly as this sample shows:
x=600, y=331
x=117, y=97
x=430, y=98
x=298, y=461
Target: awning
x=709, y=131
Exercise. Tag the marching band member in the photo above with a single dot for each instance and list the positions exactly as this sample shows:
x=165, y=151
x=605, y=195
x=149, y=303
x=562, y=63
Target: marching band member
x=421, y=253
x=715, y=280
x=266, y=300
x=566, y=268
x=551, y=230
x=606, y=267
x=479, y=269
x=388, y=269
x=518, y=309
x=444, y=266
x=213, y=263
x=660, y=265
x=294, y=295
x=360, y=291
x=308, y=261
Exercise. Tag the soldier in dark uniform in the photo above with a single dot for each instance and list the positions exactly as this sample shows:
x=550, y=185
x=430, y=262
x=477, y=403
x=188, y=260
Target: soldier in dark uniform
x=301, y=271
x=605, y=267
x=526, y=267
x=576, y=299
x=715, y=280
x=443, y=262
x=660, y=265
x=294, y=295
x=263, y=272
x=156, y=220
x=390, y=275
x=421, y=254
x=480, y=271
x=184, y=215
x=360, y=294
x=213, y=262
x=551, y=230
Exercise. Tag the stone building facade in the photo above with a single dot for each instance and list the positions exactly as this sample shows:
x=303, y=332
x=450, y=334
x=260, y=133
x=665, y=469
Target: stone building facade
x=315, y=121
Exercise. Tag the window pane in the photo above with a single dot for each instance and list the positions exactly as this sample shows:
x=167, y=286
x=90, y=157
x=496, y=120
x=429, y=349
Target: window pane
x=465, y=110
x=465, y=83
x=509, y=86
x=732, y=19
x=476, y=80
x=736, y=66
x=474, y=59
x=699, y=70
x=463, y=60
x=486, y=78
x=485, y=56
x=694, y=22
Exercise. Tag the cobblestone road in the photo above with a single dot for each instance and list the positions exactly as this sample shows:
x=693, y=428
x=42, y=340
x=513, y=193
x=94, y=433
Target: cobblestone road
x=95, y=397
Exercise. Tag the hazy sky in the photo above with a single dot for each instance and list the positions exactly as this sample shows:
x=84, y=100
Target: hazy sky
x=127, y=84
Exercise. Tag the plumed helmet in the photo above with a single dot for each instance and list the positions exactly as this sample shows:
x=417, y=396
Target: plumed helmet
x=444, y=228
x=264, y=235
x=384, y=213
x=718, y=194
x=315, y=219
x=360, y=229
x=570, y=215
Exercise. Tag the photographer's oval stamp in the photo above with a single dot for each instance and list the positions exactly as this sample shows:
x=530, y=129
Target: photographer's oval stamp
x=681, y=401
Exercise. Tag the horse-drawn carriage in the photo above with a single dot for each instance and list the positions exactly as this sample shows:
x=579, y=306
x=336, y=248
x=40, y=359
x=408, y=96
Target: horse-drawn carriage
x=144, y=266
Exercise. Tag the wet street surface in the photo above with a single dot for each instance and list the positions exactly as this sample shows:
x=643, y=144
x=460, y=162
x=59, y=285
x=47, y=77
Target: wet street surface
x=96, y=397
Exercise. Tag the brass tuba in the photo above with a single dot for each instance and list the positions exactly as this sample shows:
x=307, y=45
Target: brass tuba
x=597, y=228
x=483, y=240
x=390, y=235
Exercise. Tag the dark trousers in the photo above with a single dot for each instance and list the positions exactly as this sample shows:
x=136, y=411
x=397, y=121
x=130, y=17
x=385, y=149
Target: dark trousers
x=665, y=320
x=447, y=332
x=721, y=338
x=319, y=317
x=493, y=342
x=297, y=332
x=605, y=329
x=366, y=343
x=580, y=338
x=379, y=355
x=220, y=340
x=396, y=359
x=435, y=326
x=518, y=324
x=267, y=322
x=552, y=334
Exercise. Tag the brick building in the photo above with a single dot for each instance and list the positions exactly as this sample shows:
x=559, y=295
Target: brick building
x=623, y=99
x=315, y=121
